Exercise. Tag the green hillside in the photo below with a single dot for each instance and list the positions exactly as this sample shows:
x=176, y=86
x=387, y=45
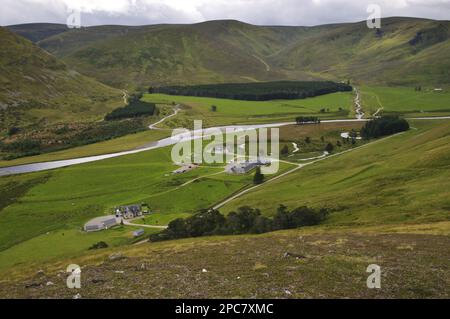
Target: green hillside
x=37, y=89
x=403, y=179
x=406, y=51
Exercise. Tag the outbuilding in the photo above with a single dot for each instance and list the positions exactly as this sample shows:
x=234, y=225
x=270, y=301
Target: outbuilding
x=138, y=232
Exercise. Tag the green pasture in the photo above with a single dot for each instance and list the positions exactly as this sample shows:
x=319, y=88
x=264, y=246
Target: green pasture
x=426, y=102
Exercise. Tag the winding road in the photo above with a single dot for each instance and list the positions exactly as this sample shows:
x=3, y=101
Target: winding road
x=175, y=112
x=43, y=166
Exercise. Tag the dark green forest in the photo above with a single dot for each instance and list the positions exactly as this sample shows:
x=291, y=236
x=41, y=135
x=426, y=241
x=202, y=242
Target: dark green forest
x=263, y=91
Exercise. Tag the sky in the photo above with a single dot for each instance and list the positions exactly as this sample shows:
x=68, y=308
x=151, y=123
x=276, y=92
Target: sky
x=260, y=12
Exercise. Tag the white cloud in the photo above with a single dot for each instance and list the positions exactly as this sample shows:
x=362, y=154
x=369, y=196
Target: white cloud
x=284, y=12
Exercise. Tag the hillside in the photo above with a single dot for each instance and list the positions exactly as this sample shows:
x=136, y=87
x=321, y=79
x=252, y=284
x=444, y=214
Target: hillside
x=406, y=51
x=38, y=89
x=399, y=180
x=399, y=221
x=37, y=31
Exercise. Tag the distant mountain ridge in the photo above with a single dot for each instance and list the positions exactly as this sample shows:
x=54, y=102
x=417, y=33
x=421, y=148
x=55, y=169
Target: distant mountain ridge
x=405, y=51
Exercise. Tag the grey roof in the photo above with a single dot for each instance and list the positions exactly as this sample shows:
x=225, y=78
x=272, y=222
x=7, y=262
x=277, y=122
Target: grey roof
x=110, y=222
x=92, y=227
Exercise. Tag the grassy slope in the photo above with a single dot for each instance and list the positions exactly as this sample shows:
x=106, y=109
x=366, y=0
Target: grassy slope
x=38, y=89
x=163, y=54
x=401, y=180
x=356, y=52
x=230, y=51
x=414, y=264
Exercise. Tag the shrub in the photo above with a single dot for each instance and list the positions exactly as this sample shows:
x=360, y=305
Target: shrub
x=284, y=150
x=258, y=178
x=329, y=148
x=99, y=245
x=13, y=130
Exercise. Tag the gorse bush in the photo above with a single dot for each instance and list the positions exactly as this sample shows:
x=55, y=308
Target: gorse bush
x=263, y=91
x=99, y=245
x=245, y=220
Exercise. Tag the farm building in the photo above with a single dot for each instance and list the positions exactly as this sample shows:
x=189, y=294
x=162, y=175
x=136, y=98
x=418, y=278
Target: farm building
x=128, y=212
x=100, y=223
x=244, y=167
x=138, y=232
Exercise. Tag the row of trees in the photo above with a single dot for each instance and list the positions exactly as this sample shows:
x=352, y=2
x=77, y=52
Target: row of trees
x=257, y=91
x=383, y=126
x=307, y=119
x=245, y=220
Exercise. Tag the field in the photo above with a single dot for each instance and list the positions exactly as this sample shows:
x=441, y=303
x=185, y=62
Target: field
x=63, y=200
x=405, y=100
x=339, y=105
